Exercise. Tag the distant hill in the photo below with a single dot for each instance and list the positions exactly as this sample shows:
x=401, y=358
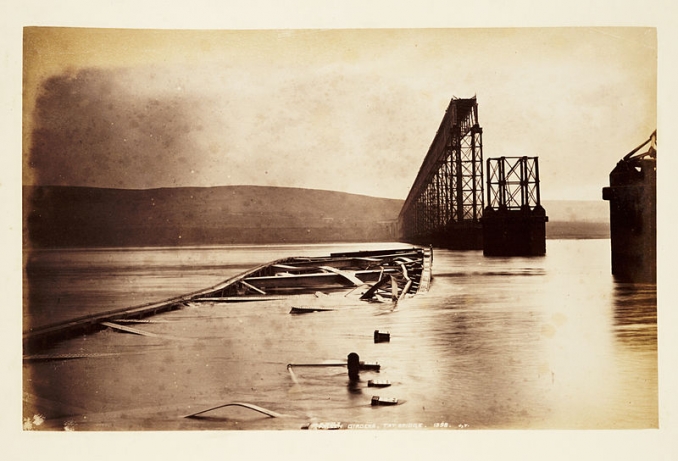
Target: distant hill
x=578, y=210
x=577, y=219
x=57, y=216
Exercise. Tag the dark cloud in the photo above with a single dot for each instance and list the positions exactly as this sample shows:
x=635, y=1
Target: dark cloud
x=93, y=129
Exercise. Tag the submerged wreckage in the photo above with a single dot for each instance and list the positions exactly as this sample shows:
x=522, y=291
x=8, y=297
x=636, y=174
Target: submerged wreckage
x=310, y=283
x=374, y=276
x=338, y=281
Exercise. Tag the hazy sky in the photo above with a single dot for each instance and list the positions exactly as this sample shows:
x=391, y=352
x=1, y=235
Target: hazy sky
x=347, y=110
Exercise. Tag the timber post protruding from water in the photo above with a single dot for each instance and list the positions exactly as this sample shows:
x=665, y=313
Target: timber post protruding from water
x=353, y=362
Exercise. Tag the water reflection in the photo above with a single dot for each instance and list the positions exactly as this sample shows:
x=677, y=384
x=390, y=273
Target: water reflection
x=635, y=314
x=521, y=343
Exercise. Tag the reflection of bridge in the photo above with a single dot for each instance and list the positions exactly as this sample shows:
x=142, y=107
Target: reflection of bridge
x=445, y=206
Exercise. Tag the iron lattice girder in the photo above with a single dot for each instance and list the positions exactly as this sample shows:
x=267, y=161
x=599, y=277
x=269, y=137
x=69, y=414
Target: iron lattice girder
x=449, y=185
x=513, y=182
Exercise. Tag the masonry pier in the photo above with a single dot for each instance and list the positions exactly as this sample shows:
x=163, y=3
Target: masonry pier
x=514, y=222
x=632, y=194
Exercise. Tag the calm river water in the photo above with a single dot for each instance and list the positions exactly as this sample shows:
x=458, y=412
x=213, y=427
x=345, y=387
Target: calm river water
x=498, y=343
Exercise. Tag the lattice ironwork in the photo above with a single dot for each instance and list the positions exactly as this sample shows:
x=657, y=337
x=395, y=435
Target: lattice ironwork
x=513, y=183
x=448, y=189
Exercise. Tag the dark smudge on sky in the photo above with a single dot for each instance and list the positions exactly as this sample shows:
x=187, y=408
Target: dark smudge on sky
x=91, y=130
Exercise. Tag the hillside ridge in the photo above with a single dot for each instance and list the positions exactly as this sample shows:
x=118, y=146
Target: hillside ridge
x=62, y=216
x=78, y=216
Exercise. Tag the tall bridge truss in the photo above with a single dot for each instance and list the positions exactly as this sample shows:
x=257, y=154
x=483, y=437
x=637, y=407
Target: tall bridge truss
x=513, y=183
x=445, y=204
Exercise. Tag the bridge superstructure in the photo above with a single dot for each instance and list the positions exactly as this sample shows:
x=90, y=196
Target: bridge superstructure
x=445, y=204
x=514, y=222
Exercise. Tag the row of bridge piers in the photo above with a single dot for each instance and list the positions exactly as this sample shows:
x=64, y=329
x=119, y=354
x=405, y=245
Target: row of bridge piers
x=460, y=202
x=447, y=207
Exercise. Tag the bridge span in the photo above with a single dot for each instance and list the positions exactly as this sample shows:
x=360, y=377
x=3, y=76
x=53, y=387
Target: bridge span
x=446, y=205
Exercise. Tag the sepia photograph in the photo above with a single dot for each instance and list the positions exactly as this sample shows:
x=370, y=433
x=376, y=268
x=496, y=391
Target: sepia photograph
x=217, y=223
x=432, y=231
